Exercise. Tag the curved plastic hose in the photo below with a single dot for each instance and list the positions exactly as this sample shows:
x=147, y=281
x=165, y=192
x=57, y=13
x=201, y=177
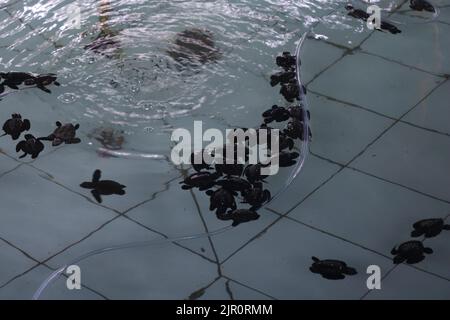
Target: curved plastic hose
x=304, y=151
x=135, y=244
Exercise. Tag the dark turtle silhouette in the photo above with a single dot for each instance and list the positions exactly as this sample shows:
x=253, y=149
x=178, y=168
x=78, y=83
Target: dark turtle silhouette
x=331, y=269
x=15, y=126
x=103, y=187
x=63, y=133
x=31, y=146
x=429, y=227
x=194, y=46
x=203, y=180
x=281, y=77
x=410, y=251
x=420, y=5
x=13, y=79
x=239, y=216
x=286, y=61
x=42, y=80
x=222, y=199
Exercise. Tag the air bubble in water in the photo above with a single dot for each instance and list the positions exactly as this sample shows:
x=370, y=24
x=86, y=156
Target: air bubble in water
x=68, y=97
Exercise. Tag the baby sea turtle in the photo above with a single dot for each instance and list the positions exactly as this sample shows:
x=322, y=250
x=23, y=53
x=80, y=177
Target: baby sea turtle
x=276, y=113
x=286, y=61
x=221, y=199
x=253, y=173
x=109, y=138
x=290, y=91
x=194, y=46
x=331, y=269
x=429, y=227
x=63, y=133
x=13, y=79
x=31, y=146
x=239, y=216
x=420, y=5
x=203, y=180
x=294, y=130
x=15, y=126
x=234, y=184
x=281, y=77
x=43, y=80
x=256, y=196
x=411, y=251
x=103, y=187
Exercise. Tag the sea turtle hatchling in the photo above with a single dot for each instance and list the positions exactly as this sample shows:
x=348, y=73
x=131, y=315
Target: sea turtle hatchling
x=410, y=251
x=63, y=133
x=15, y=126
x=331, y=269
x=103, y=187
x=31, y=146
x=429, y=227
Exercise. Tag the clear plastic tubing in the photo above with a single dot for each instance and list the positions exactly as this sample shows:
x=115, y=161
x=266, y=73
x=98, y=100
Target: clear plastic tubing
x=304, y=151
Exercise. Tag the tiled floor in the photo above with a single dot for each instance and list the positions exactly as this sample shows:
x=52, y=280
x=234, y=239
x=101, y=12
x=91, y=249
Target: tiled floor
x=379, y=162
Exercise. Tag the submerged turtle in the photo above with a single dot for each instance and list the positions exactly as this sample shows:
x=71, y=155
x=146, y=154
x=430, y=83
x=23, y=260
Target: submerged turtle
x=43, y=80
x=103, y=187
x=429, y=227
x=63, y=133
x=31, y=146
x=13, y=79
x=410, y=251
x=15, y=126
x=195, y=46
x=331, y=269
x=420, y=5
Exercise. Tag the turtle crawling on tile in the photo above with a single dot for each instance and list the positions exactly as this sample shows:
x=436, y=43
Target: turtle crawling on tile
x=276, y=113
x=410, y=251
x=429, y=227
x=15, y=126
x=30, y=146
x=331, y=269
x=420, y=5
x=103, y=187
x=63, y=133
x=286, y=61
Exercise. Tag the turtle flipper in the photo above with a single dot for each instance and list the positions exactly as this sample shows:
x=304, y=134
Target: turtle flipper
x=15, y=135
x=97, y=196
x=446, y=227
x=12, y=86
x=333, y=276
x=416, y=233
x=2, y=88
x=34, y=155
x=56, y=83
x=75, y=140
x=23, y=156
x=428, y=250
x=315, y=259
x=44, y=89
x=26, y=125
x=48, y=138
x=20, y=146
x=399, y=259
x=96, y=176
x=350, y=271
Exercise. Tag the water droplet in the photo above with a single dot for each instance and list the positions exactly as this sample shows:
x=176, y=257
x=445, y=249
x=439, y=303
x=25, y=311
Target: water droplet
x=68, y=97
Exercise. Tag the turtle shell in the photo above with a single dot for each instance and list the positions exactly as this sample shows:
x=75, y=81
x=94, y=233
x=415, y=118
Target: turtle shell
x=65, y=132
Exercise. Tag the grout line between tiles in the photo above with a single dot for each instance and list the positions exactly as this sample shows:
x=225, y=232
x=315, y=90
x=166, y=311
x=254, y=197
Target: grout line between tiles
x=248, y=287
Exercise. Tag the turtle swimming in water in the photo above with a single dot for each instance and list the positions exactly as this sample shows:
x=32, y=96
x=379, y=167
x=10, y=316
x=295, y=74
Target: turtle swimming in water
x=103, y=187
x=13, y=79
x=194, y=46
x=420, y=5
x=31, y=146
x=331, y=269
x=15, y=126
x=43, y=80
x=410, y=251
x=63, y=133
x=429, y=227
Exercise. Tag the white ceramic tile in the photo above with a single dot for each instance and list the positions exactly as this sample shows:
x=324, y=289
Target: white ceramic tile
x=175, y=218
x=413, y=157
x=314, y=173
x=340, y=131
x=433, y=112
x=406, y=283
x=428, y=42
x=278, y=263
x=13, y=263
x=375, y=83
x=41, y=217
x=25, y=286
x=162, y=271
x=367, y=211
